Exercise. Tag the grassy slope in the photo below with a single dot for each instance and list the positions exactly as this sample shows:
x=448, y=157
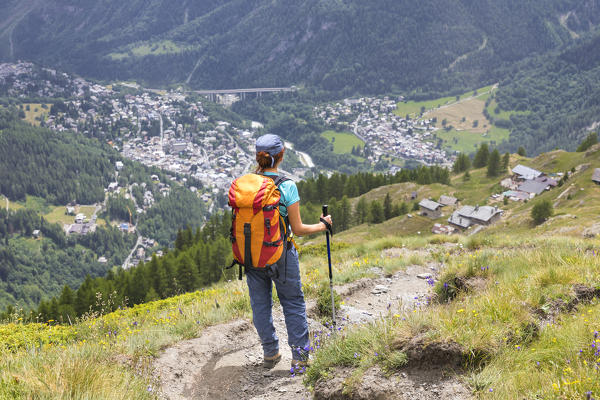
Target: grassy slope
x=521, y=270
x=344, y=141
x=461, y=115
x=414, y=107
x=35, y=112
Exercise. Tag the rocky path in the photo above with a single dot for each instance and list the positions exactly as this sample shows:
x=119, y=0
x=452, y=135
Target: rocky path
x=225, y=362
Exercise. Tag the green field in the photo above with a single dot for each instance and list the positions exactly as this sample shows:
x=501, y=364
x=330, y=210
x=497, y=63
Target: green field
x=11, y=204
x=35, y=112
x=342, y=141
x=414, y=107
x=466, y=142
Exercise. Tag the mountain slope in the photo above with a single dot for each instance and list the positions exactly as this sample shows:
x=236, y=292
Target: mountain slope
x=508, y=313
x=553, y=100
x=371, y=46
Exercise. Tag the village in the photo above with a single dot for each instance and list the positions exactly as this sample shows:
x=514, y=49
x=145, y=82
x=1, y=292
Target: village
x=523, y=184
x=385, y=134
x=157, y=128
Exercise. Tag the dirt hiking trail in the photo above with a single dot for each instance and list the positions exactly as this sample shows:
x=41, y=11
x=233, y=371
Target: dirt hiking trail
x=225, y=362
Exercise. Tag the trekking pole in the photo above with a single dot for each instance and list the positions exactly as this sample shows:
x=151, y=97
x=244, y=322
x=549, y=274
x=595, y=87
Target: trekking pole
x=330, y=270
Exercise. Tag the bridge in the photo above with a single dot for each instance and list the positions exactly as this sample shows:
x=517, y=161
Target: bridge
x=242, y=92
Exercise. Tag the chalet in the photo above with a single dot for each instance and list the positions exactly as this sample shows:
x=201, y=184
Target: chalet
x=119, y=165
x=457, y=220
x=448, y=201
x=524, y=173
x=113, y=186
x=596, y=176
x=102, y=260
x=533, y=187
x=484, y=215
x=79, y=218
x=70, y=210
x=430, y=208
x=36, y=233
x=413, y=196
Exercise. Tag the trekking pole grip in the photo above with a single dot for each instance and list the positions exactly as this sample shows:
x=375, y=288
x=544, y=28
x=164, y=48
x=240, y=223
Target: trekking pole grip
x=329, y=230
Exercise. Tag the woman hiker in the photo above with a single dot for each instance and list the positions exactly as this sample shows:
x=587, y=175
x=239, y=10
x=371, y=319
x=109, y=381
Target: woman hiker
x=269, y=155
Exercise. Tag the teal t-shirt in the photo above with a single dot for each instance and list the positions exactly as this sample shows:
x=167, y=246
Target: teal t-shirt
x=289, y=194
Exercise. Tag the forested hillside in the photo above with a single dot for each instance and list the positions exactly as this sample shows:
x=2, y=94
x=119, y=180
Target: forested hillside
x=33, y=269
x=59, y=168
x=552, y=101
x=375, y=46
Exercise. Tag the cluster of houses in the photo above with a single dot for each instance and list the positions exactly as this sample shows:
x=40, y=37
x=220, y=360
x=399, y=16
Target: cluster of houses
x=460, y=218
x=385, y=134
x=213, y=157
x=525, y=183
x=162, y=129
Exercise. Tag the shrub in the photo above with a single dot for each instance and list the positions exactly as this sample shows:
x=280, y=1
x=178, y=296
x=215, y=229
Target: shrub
x=541, y=211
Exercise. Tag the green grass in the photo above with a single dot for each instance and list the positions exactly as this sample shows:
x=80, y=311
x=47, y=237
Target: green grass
x=342, y=141
x=467, y=142
x=37, y=204
x=495, y=323
x=11, y=204
x=35, y=112
x=145, y=49
x=521, y=269
x=414, y=108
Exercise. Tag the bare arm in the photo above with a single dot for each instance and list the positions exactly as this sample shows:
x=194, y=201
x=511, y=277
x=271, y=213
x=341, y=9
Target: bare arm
x=298, y=227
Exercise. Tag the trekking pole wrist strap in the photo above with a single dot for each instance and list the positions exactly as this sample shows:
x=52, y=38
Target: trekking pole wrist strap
x=327, y=225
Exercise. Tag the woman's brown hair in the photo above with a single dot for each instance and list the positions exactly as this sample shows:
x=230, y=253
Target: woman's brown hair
x=265, y=160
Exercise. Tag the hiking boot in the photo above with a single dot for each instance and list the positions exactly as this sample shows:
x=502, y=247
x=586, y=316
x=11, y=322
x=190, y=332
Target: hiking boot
x=270, y=362
x=299, y=366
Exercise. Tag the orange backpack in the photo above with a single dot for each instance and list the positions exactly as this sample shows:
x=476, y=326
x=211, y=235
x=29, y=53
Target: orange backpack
x=258, y=231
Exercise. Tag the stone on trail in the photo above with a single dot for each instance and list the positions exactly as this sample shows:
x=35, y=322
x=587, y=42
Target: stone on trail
x=379, y=289
x=424, y=276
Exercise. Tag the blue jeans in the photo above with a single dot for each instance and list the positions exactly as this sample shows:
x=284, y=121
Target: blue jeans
x=289, y=291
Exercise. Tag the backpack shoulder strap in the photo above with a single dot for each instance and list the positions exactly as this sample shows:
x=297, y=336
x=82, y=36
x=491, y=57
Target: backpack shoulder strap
x=278, y=179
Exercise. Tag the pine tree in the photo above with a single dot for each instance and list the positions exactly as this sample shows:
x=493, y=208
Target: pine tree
x=187, y=274
x=138, y=285
x=361, y=211
x=462, y=163
x=494, y=164
x=403, y=208
x=171, y=286
x=481, y=157
x=376, y=213
x=151, y=295
x=505, y=161
x=388, y=211
x=345, y=214
x=522, y=151
x=180, y=240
